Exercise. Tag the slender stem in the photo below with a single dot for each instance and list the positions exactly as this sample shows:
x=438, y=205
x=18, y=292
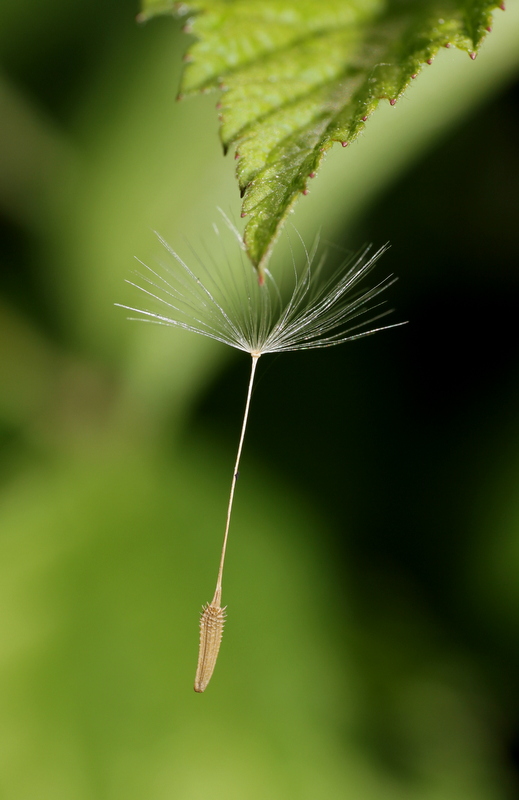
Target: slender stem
x=218, y=592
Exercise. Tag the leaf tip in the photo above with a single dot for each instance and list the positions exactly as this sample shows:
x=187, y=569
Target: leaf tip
x=392, y=102
x=473, y=55
x=345, y=144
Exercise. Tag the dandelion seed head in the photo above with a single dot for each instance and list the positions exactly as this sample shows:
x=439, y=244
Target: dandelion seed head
x=223, y=299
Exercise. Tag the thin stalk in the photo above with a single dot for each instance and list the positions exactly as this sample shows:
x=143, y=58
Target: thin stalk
x=216, y=601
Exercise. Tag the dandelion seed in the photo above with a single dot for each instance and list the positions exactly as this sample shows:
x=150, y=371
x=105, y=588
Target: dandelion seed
x=231, y=306
x=211, y=631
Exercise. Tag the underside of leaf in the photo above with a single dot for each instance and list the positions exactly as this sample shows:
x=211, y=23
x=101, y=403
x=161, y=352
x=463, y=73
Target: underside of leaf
x=297, y=77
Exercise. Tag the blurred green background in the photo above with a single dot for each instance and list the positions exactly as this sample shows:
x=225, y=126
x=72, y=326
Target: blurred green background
x=372, y=579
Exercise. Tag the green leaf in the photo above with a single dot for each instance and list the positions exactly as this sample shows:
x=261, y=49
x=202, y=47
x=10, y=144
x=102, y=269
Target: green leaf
x=297, y=77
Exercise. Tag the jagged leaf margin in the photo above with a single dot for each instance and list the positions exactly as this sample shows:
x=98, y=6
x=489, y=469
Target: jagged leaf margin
x=297, y=77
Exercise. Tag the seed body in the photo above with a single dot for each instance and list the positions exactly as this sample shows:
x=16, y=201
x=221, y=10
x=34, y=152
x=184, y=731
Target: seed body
x=211, y=631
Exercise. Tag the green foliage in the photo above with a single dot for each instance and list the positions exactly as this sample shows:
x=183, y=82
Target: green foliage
x=298, y=77
x=371, y=650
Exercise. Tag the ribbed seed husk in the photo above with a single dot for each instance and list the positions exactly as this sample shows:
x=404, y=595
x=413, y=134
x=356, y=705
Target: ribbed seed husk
x=211, y=632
